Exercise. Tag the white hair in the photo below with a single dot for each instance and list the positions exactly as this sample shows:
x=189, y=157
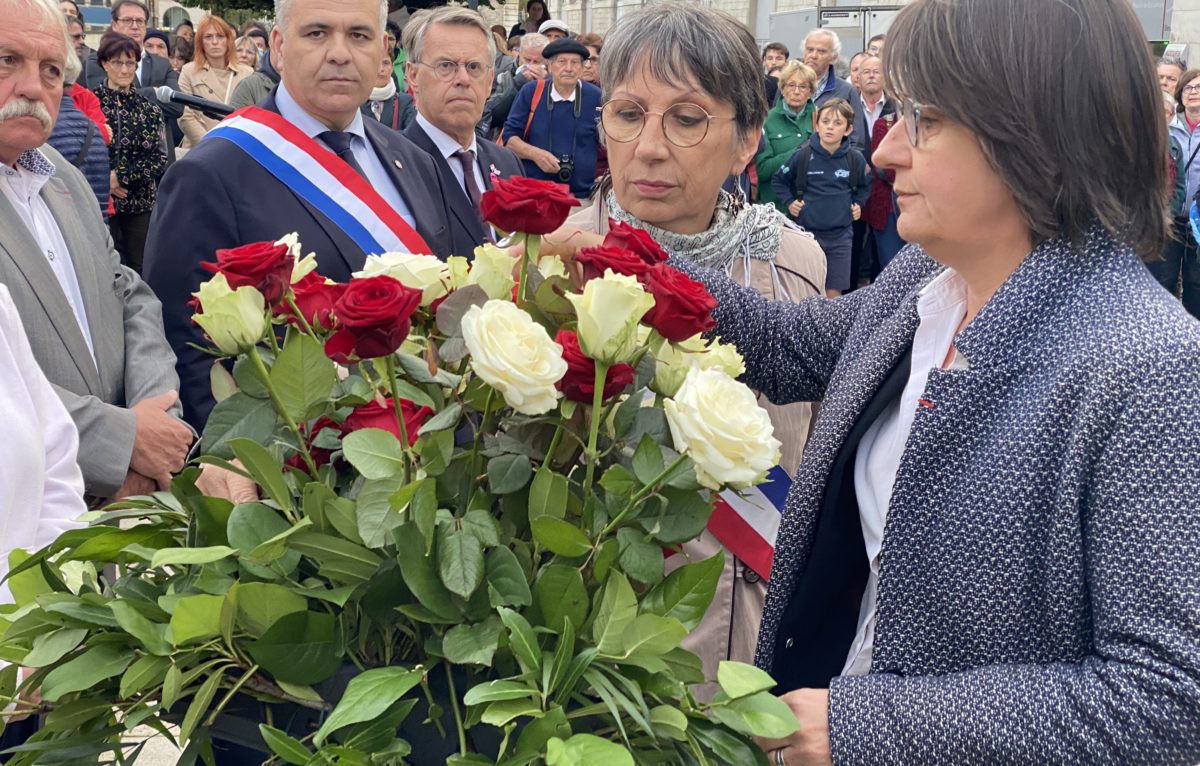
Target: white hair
x=52, y=15
x=282, y=6
x=837, y=41
x=534, y=40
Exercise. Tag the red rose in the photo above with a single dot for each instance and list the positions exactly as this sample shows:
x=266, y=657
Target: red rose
x=596, y=259
x=373, y=318
x=376, y=415
x=265, y=266
x=527, y=205
x=315, y=298
x=635, y=240
x=682, y=306
x=579, y=384
x=320, y=456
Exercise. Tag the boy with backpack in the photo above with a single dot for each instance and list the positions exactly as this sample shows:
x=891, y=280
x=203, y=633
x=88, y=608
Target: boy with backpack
x=825, y=184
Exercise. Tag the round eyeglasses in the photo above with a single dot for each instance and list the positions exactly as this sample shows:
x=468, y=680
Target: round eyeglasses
x=684, y=125
x=447, y=70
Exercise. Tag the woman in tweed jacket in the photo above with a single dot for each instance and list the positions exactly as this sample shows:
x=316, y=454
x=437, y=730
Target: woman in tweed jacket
x=991, y=551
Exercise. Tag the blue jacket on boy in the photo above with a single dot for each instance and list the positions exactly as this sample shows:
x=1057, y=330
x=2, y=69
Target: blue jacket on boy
x=827, y=183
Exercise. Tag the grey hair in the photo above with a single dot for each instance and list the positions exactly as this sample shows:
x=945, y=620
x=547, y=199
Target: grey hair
x=282, y=6
x=413, y=37
x=73, y=68
x=534, y=40
x=53, y=16
x=837, y=41
x=689, y=46
x=1173, y=62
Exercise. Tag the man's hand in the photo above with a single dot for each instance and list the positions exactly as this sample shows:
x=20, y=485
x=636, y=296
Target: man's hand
x=810, y=745
x=160, y=445
x=795, y=208
x=215, y=481
x=855, y=211
x=135, y=484
x=534, y=72
x=546, y=161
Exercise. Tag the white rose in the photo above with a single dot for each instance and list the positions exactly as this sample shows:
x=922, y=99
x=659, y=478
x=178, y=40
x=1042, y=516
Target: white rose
x=608, y=312
x=724, y=357
x=515, y=355
x=234, y=320
x=718, y=423
x=304, y=266
x=552, y=266
x=493, y=271
x=293, y=244
x=427, y=273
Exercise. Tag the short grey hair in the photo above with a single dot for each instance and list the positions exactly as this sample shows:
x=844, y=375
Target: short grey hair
x=534, y=40
x=837, y=41
x=53, y=16
x=282, y=6
x=686, y=46
x=413, y=36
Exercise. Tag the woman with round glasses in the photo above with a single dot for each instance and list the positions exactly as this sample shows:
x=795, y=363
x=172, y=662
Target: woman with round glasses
x=685, y=111
x=991, y=552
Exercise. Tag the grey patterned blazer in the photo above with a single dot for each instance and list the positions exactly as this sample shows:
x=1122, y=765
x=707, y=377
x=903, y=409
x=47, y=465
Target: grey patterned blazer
x=1039, y=596
x=134, y=359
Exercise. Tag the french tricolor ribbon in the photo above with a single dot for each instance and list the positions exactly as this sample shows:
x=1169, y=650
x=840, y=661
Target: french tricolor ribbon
x=320, y=178
x=746, y=522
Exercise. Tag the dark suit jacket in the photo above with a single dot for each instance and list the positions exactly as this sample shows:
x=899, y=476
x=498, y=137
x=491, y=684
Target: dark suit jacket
x=466, y=230
x=218, y=197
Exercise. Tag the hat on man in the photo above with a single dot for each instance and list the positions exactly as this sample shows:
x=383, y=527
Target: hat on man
x=161, y=35
x=565, y=45
x=554, y=24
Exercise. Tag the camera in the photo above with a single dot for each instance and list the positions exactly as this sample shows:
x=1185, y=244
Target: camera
x=566, y=168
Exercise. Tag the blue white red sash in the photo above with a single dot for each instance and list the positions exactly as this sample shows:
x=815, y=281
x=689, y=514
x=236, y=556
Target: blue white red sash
x=320, y=178
x=747, y=521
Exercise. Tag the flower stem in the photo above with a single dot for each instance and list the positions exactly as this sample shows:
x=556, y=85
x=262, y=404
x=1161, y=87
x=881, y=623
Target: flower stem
x=265, y=376
x=291, y=302
x=554, y=440
x=642, y=494
x=458, y=719
x=389, y=362
x=594, y=431
x=528, y=259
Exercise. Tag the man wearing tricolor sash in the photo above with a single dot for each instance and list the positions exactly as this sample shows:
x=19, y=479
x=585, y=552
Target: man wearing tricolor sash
x=302, y=160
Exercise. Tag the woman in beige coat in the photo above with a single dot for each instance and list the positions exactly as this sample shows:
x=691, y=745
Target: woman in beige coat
x=685, y=110
x=212, y=74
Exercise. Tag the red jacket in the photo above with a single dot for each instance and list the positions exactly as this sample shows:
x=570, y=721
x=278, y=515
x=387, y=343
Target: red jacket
x=86, y=102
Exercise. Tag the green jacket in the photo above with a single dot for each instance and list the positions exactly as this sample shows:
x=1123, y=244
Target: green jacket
x=783, y=134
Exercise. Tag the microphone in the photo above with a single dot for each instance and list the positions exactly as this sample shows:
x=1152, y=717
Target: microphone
x=214, y=109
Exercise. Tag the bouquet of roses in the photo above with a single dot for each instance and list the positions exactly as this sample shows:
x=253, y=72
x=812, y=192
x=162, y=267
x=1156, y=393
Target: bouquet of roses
x=469, y=474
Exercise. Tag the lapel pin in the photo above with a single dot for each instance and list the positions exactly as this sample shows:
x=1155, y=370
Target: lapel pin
x=494, y=171
x=399, y=166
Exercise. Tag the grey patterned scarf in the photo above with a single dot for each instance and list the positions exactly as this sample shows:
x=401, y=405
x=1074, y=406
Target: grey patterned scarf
x=756, y=228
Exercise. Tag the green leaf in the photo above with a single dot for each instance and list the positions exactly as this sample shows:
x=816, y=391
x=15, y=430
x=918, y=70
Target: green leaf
x=260, y=605
x=472, y=644
x=289, y=749
x=190, y=556
x=266, y=470
x=341, y=560
x=507, y=584
x=482, y=526
x=275, y=548
x=759, y=715
x=586, y=750
x=147, y=671
x=639, y=559
x=683, y=517
x=561, y=537
x=49, y=648
x=423, y=511
x=738, y=679
x=508, y=473
x=195, y=618
x=647, y=460
x=686, y=593
x=200, y=704
x=300, y=648
x=420, y=574
x=560, y=594
x=605, y=558
x=238, y=417
x=299, y=691
x=652, y=635
x=152, y=635
x=669, y=722
x=447, y=418
x=618, y=608
x=498, y=691
x=302, y=376
x=342, y=514
x=98, y=663
x=460, y=560
x=251, y=525
x=376, y=519
x=376, y=453
x=108, y=545
x=617, y=480
x=548, y=495
x=503, y=713
x=521, y=639
x=222, y=382
x=368, y=696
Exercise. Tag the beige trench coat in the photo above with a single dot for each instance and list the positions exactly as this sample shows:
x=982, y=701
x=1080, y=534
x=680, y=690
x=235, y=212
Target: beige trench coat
x=208, y=82
x=729, y=630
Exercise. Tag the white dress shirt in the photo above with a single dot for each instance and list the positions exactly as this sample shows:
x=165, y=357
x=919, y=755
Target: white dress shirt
x=448, y=146
x=41, y=486
x=364, y=152
x=941, y=307
x=22, y=187
x=873, y=114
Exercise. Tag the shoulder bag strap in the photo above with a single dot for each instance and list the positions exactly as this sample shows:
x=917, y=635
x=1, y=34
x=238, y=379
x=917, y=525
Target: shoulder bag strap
x=87, y=144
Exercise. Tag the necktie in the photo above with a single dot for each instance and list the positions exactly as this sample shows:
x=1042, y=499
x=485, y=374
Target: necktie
x=466, y=158
x=339, y=142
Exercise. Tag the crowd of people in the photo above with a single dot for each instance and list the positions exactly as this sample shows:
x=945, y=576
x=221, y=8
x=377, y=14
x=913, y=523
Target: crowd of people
x=988, y=553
